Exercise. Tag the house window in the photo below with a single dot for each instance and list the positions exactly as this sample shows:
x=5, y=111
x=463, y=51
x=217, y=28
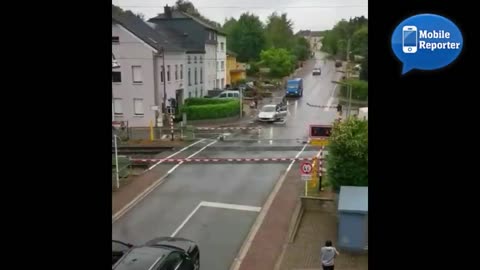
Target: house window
x=162, y=74
x=188, y=59
x=221, y=46
x=223, y=66
x=115, y=39
x=189, y=94
x=116, y=76
x=195, y=59
x=201, y=74
x=117, y=106
x=189, y=77
x=196, y=82
x=201, y=59
x=168, y=73
x=210, y=35
x=137, y=74
x=138, y=106
x=176, y=72
x=222, y=85
x=218, y=65
x=196, y=92
x=201, y=91
x=181, y=72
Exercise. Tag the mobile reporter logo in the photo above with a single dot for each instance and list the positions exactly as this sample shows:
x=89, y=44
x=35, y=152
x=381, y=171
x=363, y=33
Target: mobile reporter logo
x=426, y=42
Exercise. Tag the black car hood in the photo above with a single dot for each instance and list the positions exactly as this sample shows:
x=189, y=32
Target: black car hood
x=181, y=243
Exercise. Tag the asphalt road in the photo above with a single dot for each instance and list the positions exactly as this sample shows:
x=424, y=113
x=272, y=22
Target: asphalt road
x=216, y=204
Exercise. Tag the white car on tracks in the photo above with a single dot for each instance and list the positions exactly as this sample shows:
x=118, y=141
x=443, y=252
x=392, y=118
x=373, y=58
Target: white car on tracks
x=271, y=113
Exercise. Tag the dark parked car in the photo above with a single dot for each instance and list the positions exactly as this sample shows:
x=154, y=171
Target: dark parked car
x=164, y=253
x=338, y=63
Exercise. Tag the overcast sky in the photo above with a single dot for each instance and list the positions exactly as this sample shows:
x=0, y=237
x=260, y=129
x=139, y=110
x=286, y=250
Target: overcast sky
x=305, y=14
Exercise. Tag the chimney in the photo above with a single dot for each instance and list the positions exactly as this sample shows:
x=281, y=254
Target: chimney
x=168, y=12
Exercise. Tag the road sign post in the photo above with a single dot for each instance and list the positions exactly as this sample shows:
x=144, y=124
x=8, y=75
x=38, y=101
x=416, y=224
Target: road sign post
x=306, y=169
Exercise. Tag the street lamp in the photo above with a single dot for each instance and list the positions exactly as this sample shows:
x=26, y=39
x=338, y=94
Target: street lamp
x=117, y=180
x=349, y=90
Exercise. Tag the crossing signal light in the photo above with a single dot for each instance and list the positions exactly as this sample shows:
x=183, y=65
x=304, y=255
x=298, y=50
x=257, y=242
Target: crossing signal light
x=320, y=131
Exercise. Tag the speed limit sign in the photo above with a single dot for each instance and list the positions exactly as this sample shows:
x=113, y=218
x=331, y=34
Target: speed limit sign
x=306, y=168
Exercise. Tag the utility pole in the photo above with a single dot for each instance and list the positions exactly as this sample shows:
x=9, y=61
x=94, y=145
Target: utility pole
x=164, y=71
x=349, y=86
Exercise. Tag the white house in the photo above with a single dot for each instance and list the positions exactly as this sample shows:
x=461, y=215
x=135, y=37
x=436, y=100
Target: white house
x=221, y=50
x=204, y=40
x=152, y=69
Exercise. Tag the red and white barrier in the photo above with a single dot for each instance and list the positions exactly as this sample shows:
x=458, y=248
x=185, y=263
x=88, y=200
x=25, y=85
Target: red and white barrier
x=218, y=160
x=227, y=128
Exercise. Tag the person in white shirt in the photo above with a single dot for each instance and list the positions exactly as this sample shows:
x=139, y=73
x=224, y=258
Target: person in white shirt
x=328, y=253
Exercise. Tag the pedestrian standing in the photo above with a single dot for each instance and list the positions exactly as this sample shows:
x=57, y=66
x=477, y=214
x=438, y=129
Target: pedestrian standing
x=328, y=253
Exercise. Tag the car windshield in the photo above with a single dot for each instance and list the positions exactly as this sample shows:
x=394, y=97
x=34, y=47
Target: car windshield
x=268, y=109
x=141, y=258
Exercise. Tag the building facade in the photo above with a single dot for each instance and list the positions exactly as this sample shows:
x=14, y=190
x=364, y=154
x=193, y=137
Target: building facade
x=133, y=80
x=204, y=39
x=235, y=71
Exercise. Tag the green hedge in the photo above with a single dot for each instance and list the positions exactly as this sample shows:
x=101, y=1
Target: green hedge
x=359, y=89
x=205, y=101
x=210, y=108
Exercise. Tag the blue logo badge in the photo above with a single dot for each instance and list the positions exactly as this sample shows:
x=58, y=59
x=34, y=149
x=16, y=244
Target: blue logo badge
x=426, y=42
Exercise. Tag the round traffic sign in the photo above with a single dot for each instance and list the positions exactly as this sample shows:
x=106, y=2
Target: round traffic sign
x=306, y=168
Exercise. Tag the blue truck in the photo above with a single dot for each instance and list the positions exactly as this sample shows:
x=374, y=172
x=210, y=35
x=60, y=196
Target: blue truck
x=294, y=87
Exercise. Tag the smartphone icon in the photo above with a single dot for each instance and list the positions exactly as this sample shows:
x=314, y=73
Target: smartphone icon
x=409, y=39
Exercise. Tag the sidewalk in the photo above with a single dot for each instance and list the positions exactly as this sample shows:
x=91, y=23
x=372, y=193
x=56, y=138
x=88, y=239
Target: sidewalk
x=267, y=244
x=270, y=248
x=315, y=228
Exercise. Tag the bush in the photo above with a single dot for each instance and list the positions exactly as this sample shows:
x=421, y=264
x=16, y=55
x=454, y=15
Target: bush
x=204, y=101
x=347, y=160
x=359, y=89
x=212, y=108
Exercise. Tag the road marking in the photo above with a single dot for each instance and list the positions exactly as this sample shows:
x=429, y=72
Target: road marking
x=151, y=188
x=186, y=220
x=192, y=155
x=261, y=216
x=174, y=154
x=232, y=206
x=215, y=205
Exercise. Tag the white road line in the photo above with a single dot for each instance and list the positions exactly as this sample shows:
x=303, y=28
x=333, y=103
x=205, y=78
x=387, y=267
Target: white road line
x=332, y=97
x=261, y=216
x=186, y=220
x=192, y=155
x=151, y=188
x=215, y=205
x=232, y=206
x=296, y=156
x=174, y=154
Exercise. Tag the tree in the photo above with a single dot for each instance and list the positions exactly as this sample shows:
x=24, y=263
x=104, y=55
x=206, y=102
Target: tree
x=302, y=49
x=335, y=41
x=279, y=61
x=279, y=32
x=247, y=38
x=347, y=159
x=228, y=25
x=360, y=41
x=141, y=16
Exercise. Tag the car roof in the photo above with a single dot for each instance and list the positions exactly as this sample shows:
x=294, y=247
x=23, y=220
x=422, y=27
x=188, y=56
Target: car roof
x=269, y=105
x=141, y=258
x=295, y=80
